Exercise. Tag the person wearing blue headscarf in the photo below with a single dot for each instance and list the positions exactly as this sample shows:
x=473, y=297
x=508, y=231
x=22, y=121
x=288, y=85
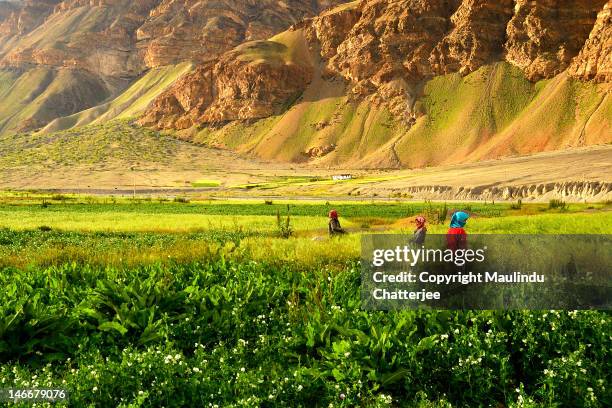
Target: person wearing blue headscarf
x=456, y=236
x=459, y=219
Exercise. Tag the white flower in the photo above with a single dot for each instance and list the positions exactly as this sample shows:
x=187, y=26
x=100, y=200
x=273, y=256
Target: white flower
x=95, y=389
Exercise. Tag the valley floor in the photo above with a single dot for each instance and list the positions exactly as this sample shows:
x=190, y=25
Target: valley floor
x=122, y=162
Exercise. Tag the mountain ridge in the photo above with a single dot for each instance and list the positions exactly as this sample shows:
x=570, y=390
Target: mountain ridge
x=119, y=41
x=370, y=83
x=378, y=59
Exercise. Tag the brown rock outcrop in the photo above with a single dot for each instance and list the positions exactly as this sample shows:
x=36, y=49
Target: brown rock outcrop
x=235, y=88
x=595, y=59
x=96, y=36
x=201, y=30
x=181, y=106
x=392, y=39
x=545, y=35
x=254, y=89
x=118, y=40
x=21, y=18
x=477, y=37
x=331, y=29
x=122, y=38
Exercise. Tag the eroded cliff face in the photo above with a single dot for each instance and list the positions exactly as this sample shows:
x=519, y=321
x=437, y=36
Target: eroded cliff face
x=123, y=38
x=241, y=85
x=384, y=49
x=595, y=59
x=476, y=37
x=545, y=35
x=19, y=19
x=201, y=31
x=96, y=36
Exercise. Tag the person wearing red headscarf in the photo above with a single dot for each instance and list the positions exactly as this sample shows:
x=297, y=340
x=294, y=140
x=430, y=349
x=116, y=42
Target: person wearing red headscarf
x=334, y=224
x=421, y=230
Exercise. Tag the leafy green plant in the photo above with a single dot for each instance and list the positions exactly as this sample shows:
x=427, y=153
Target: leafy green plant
x=283, y=224
x=443, y=214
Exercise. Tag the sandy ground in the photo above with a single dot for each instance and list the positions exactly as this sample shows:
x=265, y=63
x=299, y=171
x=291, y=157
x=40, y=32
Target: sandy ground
x=578, y=168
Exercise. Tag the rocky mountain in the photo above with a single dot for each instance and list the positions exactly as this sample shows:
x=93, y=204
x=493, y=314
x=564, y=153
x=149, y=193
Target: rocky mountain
x=179, y=30
x=370, y=83
x=407, y=83
x=113, y=42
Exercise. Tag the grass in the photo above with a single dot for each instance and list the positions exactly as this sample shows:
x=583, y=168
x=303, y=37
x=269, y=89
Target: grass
x=39, y=95
x=118, y=140
x=88, y=230
x=206, y=183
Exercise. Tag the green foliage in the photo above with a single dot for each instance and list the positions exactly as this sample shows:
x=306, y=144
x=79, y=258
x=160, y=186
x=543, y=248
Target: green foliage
x=435, y=214
x=285, y=230
x=205, y=183
x=119, y=140
x=236, y=334
x=443, y=214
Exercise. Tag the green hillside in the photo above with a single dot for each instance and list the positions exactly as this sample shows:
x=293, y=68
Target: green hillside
x=32, y=98
x=490, y=113
x=128, y=104
x=116, y=141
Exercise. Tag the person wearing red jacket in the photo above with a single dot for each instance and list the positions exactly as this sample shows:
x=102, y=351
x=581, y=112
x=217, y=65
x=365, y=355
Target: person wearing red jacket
x=456, y=236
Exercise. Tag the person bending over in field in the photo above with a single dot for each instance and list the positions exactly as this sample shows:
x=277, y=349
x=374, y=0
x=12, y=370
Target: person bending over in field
x=418, y=237
x=334, y=224
x=456, y=236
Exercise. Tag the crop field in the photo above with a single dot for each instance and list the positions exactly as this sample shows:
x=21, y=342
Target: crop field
x=201, y=302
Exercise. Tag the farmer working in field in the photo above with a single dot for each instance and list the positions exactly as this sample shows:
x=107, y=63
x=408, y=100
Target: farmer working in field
x=421, y=231
x=334, y=224
x=456, y=236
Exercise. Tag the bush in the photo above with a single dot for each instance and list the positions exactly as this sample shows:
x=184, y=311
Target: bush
x=285, y=230
x=181, y=200
x=443, y=214
x=517, y=206
x=555, y=204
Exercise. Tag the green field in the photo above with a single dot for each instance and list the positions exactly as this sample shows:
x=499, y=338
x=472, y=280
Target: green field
x=170, y=303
